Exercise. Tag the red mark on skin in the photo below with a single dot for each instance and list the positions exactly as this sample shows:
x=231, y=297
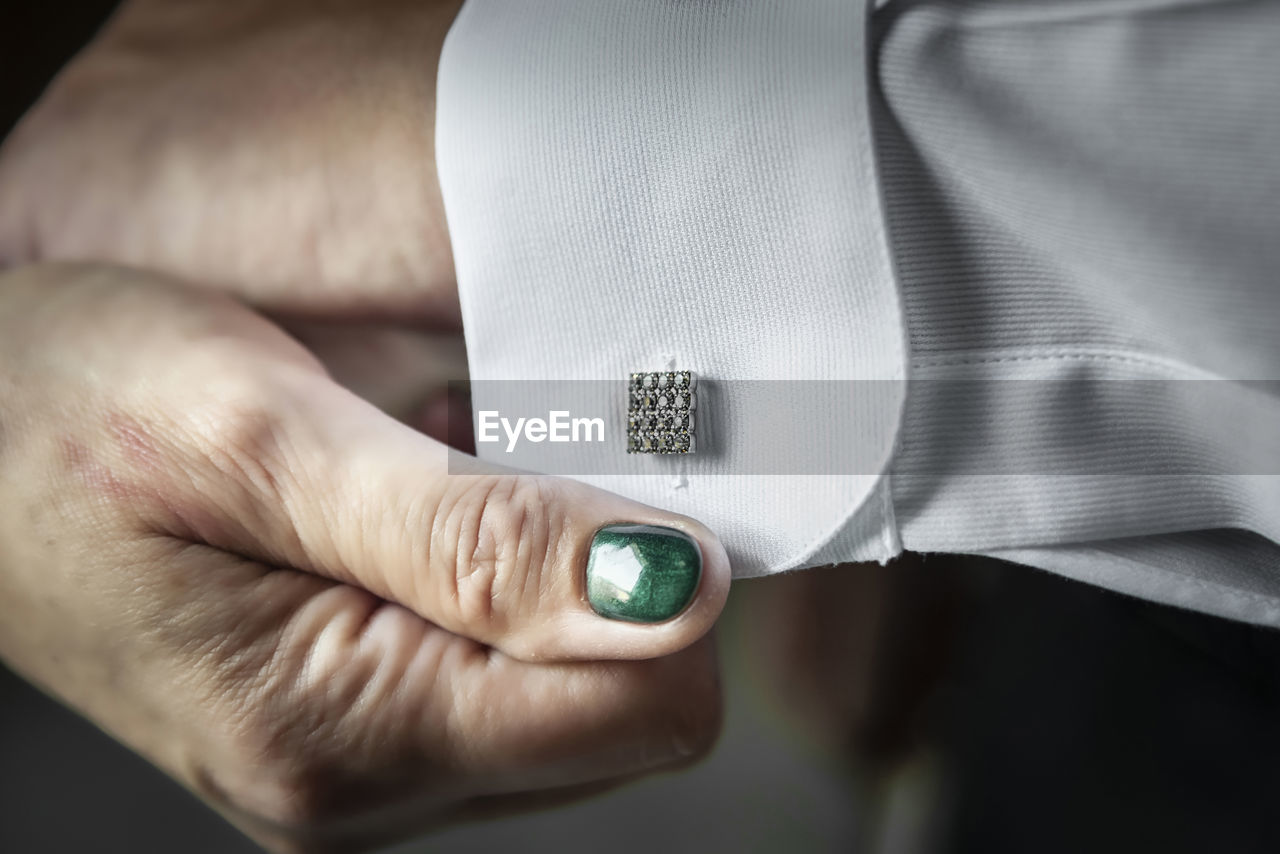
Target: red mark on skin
x=134, y=445
x=147, y=484
x=136, y=442
x=101, y=480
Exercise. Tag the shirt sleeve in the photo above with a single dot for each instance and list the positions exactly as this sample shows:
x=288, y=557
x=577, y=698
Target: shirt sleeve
x=1082, y=198
x=644, y=185
x=1005, y=270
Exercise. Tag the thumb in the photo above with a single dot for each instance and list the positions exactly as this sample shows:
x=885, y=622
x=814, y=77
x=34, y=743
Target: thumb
x=536, y=566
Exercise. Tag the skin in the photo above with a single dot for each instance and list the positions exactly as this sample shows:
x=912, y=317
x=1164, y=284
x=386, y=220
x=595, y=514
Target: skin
x=281, y=152
x=218, y=543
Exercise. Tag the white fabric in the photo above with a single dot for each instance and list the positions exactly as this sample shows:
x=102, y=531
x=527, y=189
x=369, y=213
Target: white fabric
x=1080, y=200
x=640, y=184
x=1088, y=192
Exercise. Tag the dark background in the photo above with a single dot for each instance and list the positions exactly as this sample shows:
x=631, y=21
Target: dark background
x=1065, y=719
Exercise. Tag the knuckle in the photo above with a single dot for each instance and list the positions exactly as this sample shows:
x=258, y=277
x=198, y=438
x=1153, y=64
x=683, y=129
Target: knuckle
x=506, y=529
x=233, y=456
x=240, y=432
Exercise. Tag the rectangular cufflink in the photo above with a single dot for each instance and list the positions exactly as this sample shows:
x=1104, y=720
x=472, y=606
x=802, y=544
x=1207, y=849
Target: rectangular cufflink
x=660, y=407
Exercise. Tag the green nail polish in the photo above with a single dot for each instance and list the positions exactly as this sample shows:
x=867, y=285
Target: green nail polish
x=642, y=573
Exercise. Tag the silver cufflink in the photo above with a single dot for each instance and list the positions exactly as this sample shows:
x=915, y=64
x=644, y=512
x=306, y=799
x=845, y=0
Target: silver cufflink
x=660, y=408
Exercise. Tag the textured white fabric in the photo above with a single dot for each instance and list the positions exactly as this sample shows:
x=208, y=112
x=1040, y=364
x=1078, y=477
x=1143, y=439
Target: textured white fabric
x=641, y=184
x=1080, y=199
x=1083, y=197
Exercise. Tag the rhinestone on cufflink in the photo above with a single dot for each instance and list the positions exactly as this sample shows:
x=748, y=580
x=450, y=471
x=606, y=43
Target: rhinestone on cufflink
x=660, y=408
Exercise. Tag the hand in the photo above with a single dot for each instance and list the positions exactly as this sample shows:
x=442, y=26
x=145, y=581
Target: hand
x=279, y=151
x=282, y=596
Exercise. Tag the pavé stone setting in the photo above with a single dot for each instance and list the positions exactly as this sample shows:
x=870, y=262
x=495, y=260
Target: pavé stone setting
x=660, y=408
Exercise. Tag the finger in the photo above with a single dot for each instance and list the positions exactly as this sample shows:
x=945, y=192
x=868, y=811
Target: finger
x=176, y=421
x=281, y=464
x=366, y=719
